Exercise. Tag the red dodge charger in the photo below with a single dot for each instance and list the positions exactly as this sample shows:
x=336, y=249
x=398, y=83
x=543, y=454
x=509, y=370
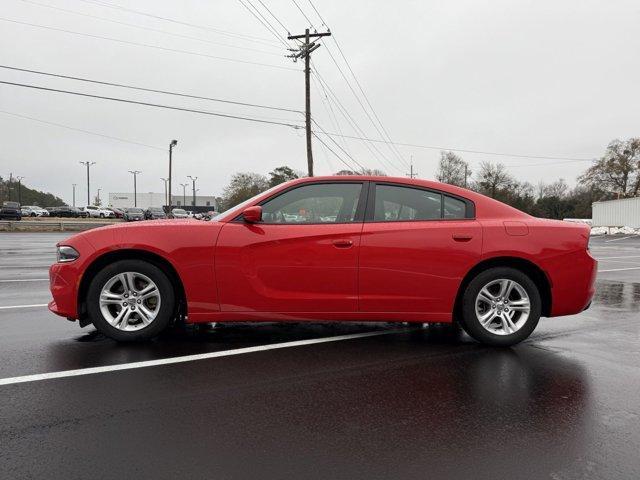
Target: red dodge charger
x=355, y=248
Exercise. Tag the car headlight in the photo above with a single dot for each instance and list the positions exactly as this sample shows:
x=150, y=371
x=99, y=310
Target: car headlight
x=66, y=254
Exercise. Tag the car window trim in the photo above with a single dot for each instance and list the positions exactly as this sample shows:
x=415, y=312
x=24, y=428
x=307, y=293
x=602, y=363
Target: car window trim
x=470, y=210
x=360, y=209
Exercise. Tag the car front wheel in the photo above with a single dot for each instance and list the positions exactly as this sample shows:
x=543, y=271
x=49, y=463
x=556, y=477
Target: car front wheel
x=501, y=307
x=131, y=300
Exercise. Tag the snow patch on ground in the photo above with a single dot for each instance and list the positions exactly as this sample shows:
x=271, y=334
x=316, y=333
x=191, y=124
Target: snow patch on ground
x=614, y=230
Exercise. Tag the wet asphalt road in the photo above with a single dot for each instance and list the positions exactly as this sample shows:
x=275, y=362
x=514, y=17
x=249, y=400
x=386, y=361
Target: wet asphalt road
x=419, y=403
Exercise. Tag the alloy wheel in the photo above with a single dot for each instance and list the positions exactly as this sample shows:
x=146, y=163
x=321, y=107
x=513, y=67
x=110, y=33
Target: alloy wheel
x=502, y=306
x=130, y=301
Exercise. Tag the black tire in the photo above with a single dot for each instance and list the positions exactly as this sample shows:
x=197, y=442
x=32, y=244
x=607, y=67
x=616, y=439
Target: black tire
x=164, y=316
x=472, y=325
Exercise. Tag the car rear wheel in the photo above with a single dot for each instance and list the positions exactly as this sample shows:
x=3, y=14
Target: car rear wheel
x=131, y=300
x=501, y=307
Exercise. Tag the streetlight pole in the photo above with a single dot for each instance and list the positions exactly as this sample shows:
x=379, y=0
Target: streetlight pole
x=135, y=188
x=184, y=195
x=88, y=164
x=193, y=179
x=20, y=189
x=74, y=194
x=165, y=180
x=171, y=145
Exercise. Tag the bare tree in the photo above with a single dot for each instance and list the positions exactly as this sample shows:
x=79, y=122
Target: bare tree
x=618, y=170
x=242, y=187
x=452, y=169
x=558, y=189
x=492, y=178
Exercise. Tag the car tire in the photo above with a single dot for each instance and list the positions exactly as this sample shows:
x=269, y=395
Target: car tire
x=496, y=319
x=106, y=299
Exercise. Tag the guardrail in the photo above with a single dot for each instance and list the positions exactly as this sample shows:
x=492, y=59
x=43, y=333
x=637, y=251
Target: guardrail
x=51, y=226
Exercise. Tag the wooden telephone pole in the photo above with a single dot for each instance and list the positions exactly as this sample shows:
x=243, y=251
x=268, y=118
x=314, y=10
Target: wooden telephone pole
x=412, y=174
x=304, y=51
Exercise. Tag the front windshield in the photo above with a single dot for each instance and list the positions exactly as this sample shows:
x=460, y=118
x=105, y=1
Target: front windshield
x=233, y=211
x=134, y=210
x=178, y=210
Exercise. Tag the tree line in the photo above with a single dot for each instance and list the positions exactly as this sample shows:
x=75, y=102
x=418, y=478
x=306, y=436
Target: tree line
x=615, y=175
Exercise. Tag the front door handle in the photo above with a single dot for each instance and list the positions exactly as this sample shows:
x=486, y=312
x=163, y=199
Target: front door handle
x=461, y=237
x=343, y=243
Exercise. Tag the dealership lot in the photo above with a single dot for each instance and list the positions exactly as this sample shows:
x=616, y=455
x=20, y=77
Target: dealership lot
x=406, y=402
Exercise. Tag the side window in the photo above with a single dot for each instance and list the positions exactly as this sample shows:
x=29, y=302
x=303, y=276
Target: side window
x=317, y=203
x=395, y=203
x=454, y=208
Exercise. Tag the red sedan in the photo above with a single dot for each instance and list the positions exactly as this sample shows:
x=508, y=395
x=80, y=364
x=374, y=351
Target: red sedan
x=332, y=248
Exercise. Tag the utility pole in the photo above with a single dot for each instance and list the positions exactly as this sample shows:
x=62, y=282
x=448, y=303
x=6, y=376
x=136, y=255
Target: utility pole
x=135, y=187
x=165, y=180
x=466, y=170
x=20, y=189
x=171, y=145
x=304, y=51
x=88, y=164
x=74, y=194
x=184, y=194
x=193, y=179
x=411, y=174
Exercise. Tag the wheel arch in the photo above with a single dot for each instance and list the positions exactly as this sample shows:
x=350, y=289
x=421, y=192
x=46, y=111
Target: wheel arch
x=537, y=275
x=130, y=254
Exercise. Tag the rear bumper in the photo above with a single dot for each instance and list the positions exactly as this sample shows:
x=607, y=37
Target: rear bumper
x=573, y=284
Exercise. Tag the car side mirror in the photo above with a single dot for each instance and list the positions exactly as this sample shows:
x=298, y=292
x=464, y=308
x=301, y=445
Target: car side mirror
x=252, y=214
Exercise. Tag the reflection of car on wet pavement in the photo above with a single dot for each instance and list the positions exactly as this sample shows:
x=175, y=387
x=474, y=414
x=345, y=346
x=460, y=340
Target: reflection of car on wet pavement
x=337, y=248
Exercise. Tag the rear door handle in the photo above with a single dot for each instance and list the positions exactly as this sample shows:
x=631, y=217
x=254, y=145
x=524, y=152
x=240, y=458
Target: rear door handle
x=461, y=237
x=344, y=243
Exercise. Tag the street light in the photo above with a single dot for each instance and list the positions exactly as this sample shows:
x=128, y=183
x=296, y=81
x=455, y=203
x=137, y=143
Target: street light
x=20, y=189
x=88, y=164
x=135, y=188
x=165, y=180
x=193, y=179
x=171, y=145
x=184, y=195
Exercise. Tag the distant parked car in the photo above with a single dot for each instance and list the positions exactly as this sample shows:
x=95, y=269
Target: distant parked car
x=179, y=213
x=66, y=211
x=78, y=212
x=118, y=212
x=11, y=210
x=51, y=210
x=34, y=211
x=133, y=214
x=98, y=212
x=154, y=213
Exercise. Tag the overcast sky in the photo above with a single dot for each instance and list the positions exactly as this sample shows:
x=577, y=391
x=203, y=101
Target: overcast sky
x=543, y=77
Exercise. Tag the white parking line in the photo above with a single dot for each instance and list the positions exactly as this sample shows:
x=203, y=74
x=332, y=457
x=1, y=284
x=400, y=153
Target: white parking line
x=616, y=239
x=189, y=358
x=619, y=269
x=615, y=258
x=24, y=306
x=26, y=280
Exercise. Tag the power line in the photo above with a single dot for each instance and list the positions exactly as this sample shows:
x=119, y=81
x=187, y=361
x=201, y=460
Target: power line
x=73, y=12
x=179, y=22
x=265, y=23
x=152, y=90
x=303, y=14
x=371, y=146
x=549, y=164
x=156, y=105
x=318, y=13
x=338, y=145
x=332, y=151
x=276, y=18
x=81, y=130
x=461, y=150
x=127, y=42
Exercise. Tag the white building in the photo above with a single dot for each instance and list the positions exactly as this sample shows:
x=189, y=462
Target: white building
x=152, y=199
x=617, y=213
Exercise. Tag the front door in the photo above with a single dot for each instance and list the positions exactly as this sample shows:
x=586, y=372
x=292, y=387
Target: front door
x=302, y=257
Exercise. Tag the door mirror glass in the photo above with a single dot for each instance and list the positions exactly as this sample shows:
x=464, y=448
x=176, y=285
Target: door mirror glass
x=252, y=214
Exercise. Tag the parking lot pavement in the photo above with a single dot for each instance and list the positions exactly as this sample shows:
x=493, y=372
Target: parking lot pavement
x=408, y=403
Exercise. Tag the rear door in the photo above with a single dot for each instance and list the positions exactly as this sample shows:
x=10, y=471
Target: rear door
x=302, y=257
x=417, y=245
